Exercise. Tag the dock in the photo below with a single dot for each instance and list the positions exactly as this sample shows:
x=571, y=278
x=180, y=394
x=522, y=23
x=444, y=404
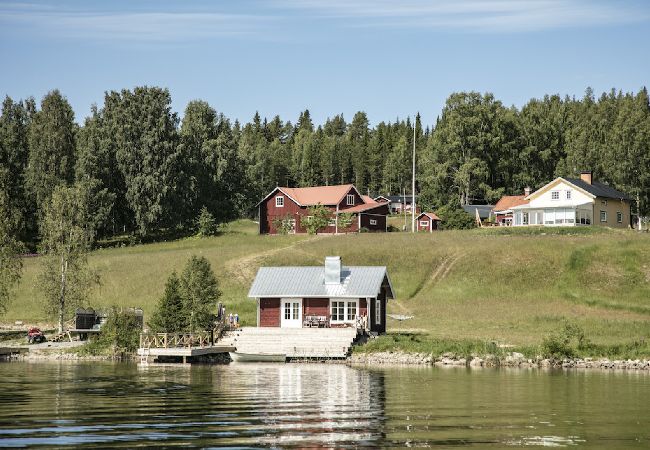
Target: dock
x=10, y=352
x=183, y=345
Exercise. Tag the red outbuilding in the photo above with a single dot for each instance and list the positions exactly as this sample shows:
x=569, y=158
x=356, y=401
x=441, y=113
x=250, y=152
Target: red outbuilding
x=427, y=221
x=291, y=205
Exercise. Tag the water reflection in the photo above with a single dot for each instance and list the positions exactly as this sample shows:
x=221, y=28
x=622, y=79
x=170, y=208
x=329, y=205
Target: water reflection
x=316, y=405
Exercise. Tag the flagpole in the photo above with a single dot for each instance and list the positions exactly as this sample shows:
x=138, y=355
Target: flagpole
x=413, y=183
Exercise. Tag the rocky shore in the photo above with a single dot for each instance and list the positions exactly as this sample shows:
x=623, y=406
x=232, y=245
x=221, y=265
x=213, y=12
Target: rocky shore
x=510, y=360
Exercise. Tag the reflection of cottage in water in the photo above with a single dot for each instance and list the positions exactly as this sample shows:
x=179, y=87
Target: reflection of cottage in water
x=319, y=405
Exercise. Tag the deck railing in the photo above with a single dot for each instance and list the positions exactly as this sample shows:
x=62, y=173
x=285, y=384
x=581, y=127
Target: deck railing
x=176, y=340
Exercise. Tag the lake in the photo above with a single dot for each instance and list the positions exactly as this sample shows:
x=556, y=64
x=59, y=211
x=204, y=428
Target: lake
x=93, y=404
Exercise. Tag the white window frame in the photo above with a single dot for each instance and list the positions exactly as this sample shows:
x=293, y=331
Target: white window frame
x=603, y=213
x=373, y=221
x=346, y=304
x=619, y=217
x=280, y=203
x=349, y=201
x=377, y=311
x=331, y=223
x=568, y=195
x=424, y=223
x=555, y=195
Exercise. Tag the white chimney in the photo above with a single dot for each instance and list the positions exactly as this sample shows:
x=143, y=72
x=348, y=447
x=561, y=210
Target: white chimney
x=332, y=270
x=527, y=191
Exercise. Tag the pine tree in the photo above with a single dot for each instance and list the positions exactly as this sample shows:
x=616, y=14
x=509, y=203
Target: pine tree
x=200, y=293
x=170, y=315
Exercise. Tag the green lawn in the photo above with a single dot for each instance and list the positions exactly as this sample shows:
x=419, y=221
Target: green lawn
x=510, y=286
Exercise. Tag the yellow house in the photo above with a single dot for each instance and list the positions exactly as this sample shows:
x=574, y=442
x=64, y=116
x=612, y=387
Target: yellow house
x=575, y=202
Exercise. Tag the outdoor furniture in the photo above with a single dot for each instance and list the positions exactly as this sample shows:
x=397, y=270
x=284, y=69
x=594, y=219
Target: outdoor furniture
x=314, y=322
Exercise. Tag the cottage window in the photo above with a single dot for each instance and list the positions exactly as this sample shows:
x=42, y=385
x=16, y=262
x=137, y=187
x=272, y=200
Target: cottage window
x=352, y=311
x=568, y=195
x=555, y=195
x=377, y=311
x=338, y=311
x=331, y=223
x=373, y=221
x=603, y=216
x=524, y=217
x=308, y=219
x=279, y=201
x=424, y=223
x=603, y=202
x=619, y=217
x=350, y=200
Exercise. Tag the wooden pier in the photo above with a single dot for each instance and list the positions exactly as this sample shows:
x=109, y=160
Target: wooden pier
x=10, y=352
x=182, y=345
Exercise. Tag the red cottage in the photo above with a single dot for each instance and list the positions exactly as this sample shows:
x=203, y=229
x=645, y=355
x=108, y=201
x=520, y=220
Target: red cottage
x=293, y=204
x=427, y=221
x=329, y=296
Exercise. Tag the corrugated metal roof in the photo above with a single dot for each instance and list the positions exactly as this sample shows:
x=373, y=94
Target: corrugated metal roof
x=357, y=282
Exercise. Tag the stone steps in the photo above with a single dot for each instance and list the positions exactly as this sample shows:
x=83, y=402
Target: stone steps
x=295, y=343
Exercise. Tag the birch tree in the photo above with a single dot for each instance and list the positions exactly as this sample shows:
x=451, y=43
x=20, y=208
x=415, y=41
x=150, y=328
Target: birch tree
x=67, y=235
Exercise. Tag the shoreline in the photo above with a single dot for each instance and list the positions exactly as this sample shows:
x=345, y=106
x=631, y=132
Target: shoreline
x=386, y=359
x=512, y=360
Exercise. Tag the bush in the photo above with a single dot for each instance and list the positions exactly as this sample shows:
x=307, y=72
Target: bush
x=120, y=334
x=392, y=229
x=206, y=224
x=560, y=345
x=454, y=218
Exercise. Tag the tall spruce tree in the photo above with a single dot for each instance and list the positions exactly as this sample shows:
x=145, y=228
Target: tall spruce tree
x=51, y=148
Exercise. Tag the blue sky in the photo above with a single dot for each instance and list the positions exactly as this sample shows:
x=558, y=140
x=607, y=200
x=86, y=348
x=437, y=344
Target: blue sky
x=388, y=58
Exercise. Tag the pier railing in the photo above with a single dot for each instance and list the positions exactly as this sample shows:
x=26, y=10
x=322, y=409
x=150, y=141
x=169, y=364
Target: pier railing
x=176, y=340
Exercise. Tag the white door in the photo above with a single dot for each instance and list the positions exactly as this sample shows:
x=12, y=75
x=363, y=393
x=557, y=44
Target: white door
x=291, y=313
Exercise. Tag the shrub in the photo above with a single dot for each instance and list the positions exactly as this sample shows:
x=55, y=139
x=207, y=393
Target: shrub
x=560, y=345
x=454, y=218
x=284, y=224
x=206, y=224
x=120, y=334
x=319, y=217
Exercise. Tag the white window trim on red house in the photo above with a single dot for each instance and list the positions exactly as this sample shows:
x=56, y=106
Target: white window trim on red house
x=349, y=201
x=279, y=201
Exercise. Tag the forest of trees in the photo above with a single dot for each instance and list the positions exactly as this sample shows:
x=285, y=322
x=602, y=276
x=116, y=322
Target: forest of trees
x=144, y=170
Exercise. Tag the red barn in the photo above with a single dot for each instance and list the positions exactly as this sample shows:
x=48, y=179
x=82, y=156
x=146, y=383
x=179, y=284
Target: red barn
x=292, y=204
x=427, y=221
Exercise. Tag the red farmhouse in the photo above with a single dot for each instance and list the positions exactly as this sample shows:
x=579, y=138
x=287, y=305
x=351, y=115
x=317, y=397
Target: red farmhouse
x=294, y=203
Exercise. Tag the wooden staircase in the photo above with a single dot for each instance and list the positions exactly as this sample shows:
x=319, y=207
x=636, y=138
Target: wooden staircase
x=295, y=343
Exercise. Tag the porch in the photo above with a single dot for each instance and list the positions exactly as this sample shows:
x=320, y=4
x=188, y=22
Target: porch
x=315, y=313
x=579, y=215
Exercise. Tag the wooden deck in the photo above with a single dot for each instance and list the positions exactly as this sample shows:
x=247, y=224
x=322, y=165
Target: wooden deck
x=182, y=345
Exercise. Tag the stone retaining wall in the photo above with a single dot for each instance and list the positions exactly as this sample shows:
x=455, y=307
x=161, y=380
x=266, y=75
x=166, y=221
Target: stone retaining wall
x=511, y=360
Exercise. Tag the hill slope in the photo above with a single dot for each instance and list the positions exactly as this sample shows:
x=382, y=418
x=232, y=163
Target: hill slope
x=511, y=286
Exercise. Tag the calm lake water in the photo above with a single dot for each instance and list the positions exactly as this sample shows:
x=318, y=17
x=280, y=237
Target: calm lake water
x=318, y=405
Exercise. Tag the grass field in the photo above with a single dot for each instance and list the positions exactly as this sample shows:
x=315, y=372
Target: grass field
x=510, y=286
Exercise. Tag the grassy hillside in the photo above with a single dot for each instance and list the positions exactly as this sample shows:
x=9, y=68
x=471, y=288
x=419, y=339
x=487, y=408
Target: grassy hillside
x=513, y=286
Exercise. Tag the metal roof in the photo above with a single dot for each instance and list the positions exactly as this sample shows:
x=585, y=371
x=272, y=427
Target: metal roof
x=599, y=189
x=309, y=282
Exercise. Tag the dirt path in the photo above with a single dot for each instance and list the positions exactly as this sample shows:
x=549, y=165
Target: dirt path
x=245, y=268
x=438, y=274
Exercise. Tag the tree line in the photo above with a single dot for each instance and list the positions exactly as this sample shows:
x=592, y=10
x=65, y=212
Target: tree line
x=143, y=170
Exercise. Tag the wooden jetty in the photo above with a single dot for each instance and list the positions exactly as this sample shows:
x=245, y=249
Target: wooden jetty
x=182, y=345
x=10, y=352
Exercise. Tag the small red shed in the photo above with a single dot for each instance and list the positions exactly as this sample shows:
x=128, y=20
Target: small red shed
x=427, y=221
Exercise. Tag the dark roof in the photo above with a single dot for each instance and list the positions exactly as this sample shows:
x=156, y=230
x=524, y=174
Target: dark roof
x=599, y=189
x=400, y=198
x=483, y=210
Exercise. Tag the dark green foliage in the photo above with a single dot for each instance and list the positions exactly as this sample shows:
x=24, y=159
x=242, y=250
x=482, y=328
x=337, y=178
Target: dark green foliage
x=51, y=148
x=150, y=177
x=120, y=334
x=170, y=315
x=205, y=223
x=567, y=343
x=454, y=218
x=200, y=293
x=10, y=263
